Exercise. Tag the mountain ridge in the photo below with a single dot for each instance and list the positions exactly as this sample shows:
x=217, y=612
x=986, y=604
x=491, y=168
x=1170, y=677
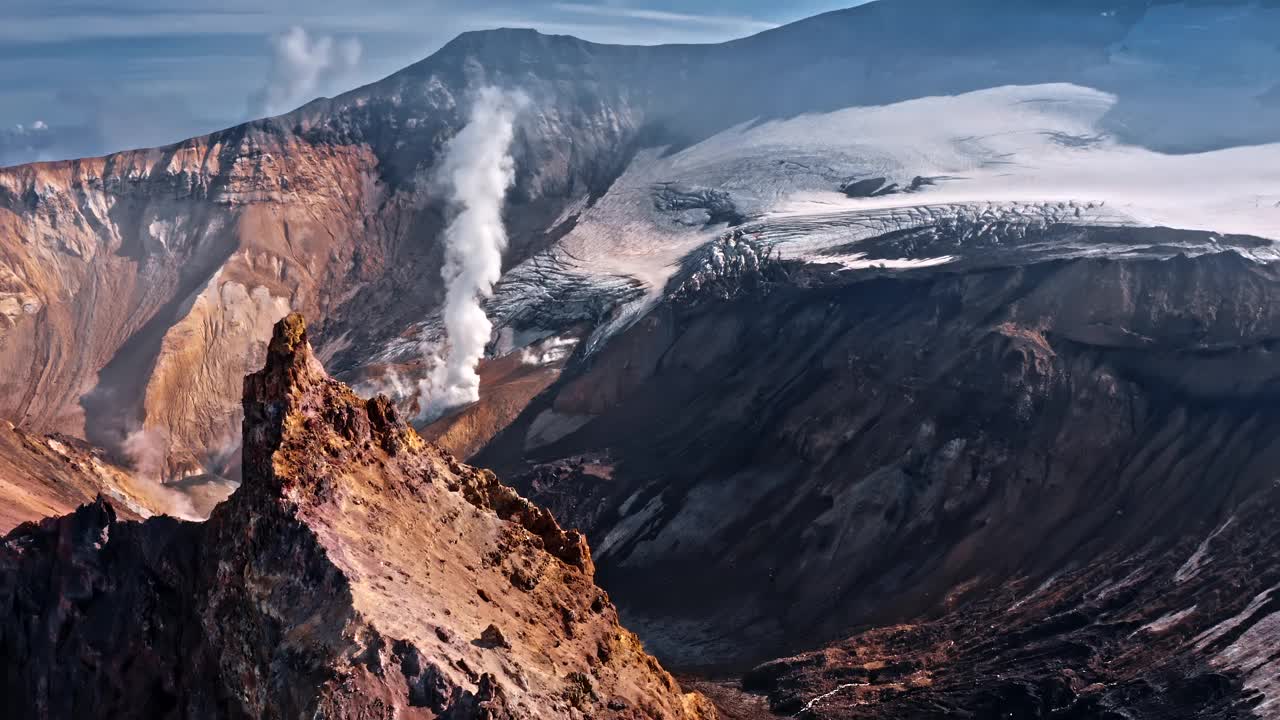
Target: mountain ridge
x=174, y=260
x=357, y=572
x=810, y=326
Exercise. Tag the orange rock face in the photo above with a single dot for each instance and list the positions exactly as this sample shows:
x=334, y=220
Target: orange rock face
x=138, y=288
x=359, y=571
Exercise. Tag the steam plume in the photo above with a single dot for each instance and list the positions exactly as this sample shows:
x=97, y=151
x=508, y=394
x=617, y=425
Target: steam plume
x=146, y=449
x=301, y=66
x=478, y=169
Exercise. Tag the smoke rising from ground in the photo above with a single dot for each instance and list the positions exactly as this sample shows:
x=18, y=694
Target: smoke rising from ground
x=478, y=169
x=302, y=66
x=146, y=449
x=551, y=350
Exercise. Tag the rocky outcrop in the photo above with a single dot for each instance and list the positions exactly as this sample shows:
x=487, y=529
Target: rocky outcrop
x=357, y=572
x=696, y=207
x=733, y=265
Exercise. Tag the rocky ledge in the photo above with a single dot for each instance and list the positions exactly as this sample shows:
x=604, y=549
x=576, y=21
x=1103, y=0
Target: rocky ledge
x=359, y=572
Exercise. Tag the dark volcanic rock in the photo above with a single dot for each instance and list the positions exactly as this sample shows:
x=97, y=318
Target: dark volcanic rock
x=873, y=451
x=334, y=584
x=736, y=264
x=709, y=207
x=96, y=620
x=868, y=187
x=1185, y=633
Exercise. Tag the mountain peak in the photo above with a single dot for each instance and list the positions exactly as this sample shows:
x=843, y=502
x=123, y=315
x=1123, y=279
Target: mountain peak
x=289, y=336
x=294, y=412
x=358, y=571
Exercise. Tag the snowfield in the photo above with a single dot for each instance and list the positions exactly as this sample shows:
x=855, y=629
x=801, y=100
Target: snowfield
x=1008, y=160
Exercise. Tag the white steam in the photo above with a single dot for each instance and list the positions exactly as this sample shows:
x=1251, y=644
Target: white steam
x=391, y=383
x=302, y=66
x=146, y=449
x=478, y=169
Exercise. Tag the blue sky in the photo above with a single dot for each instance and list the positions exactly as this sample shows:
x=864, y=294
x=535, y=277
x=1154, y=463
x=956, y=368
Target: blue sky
x=91, y=76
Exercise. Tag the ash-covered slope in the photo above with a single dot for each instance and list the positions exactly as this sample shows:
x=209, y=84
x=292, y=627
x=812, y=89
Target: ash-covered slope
x=358, y=572
x=811, y=450
x=1185, y=632
x=43, y=476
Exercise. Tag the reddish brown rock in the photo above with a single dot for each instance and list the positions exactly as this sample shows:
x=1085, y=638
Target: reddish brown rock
x=341, y=579
x=137, y=289
x=44, y=475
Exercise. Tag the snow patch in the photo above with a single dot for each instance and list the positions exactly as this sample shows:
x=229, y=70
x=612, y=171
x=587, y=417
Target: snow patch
x=1192, y=566
x=550, y=426
x=1209, y=636
x=1254, y=654
x=1034, y=593
x=549, y=351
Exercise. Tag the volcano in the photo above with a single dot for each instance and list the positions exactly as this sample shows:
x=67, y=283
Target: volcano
x=910, y=360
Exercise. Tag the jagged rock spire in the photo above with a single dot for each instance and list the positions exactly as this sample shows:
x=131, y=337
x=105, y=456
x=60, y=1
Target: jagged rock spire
x=358, y=572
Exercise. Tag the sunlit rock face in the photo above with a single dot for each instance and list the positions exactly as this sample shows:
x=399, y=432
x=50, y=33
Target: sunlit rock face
x=138, y=286
x=357, y=572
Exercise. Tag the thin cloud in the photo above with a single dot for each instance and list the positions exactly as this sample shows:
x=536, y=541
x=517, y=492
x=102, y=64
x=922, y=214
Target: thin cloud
x=190, y=56
x=68, y=28
x=662, y=16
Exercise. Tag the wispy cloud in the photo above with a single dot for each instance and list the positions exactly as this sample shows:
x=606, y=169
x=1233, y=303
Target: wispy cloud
x=70, y=28
x=728, y=22
x=111, y=74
